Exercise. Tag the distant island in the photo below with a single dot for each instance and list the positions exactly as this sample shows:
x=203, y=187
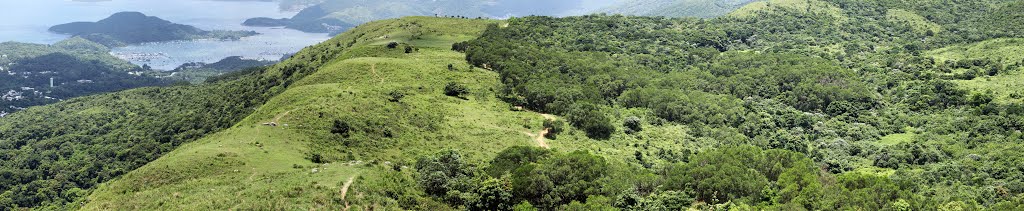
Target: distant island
x=125, y=28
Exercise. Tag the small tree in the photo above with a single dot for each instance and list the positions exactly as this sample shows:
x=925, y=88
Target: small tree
x=455, y=90
x=409, y=49
x=341, y=128
x=554, y=128
x=590, y=118
x=392, y=45
x=396, y=96
x=632, y=124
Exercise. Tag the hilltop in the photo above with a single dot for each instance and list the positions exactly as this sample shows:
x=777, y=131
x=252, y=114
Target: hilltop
x=126, y=28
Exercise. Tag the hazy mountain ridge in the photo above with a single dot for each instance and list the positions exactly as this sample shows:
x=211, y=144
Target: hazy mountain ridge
x=333, y=16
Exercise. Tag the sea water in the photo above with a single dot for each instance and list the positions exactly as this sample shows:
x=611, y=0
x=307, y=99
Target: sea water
x=28, y=21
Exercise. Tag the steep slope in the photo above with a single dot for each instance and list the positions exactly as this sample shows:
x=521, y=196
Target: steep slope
x=300, y=163
x=56, y=154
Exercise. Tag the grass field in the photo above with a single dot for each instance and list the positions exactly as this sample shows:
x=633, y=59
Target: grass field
x=1004, y=86
x=814, y=6
x=917, y=22
x=267, y=167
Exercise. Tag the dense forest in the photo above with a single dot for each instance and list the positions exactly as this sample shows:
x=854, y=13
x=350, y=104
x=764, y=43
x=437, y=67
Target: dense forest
x=126, y=28
x=199, y=72
x=843, y=87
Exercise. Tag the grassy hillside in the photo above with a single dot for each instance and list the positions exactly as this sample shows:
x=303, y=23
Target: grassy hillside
x=677, y=8
x=808, y=6
x=90, y=140
x=784, y=105
x=268, y=167
x=1002, y=79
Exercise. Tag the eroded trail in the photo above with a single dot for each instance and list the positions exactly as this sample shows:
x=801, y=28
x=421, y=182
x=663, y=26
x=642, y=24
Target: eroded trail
x=277, y=119
x=539, y=137
x=344, y=190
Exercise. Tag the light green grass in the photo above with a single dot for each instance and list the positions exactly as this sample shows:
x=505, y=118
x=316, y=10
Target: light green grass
x=1006, y=50
x=1006, y=86
x=898, y=138
x=814, y=6
x=253, y=167
x=917, y=22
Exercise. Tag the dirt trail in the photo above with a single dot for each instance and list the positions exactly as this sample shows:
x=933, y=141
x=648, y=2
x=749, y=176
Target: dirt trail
x=277, y=119
x=539, y=136
x=344, y=190
x=373, y=70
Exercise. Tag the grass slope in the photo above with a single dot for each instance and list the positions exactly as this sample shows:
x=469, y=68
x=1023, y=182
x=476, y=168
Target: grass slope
x=254, y=166
x=809, y=6
x=677, y=8
x=264, y=167
x=1004, y=86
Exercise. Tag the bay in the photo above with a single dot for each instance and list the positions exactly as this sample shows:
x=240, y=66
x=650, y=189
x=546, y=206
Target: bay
x=28, y=21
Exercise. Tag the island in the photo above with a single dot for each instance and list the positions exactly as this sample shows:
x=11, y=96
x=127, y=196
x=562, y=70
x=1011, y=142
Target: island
x=126, y=28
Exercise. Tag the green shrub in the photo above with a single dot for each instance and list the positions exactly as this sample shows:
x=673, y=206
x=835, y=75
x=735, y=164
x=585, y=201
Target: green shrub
x=455, y=90
x=590, y=118
x=632, y=124
x=554, y=128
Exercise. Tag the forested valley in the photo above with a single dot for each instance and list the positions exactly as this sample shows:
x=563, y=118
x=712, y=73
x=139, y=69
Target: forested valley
x=846, y=93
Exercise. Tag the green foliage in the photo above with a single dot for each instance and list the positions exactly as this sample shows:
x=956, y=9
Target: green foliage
x=786, y=105
x=455, y=89
x=78, y=67
x=591, y=119
x=554, y=126
x=632, y=124
x=111, y=134
x=514, y=157
x=341, y=128
x=442, y=173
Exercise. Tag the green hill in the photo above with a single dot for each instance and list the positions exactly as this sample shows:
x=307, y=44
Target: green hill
x=252, y=159
x=126, y=28
x=77, y=67
x=785, y=105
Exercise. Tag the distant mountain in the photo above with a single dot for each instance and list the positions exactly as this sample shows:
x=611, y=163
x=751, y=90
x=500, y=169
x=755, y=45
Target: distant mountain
x=677, y=8
x=133, y=27
x=76, y=67
x=334, y=16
